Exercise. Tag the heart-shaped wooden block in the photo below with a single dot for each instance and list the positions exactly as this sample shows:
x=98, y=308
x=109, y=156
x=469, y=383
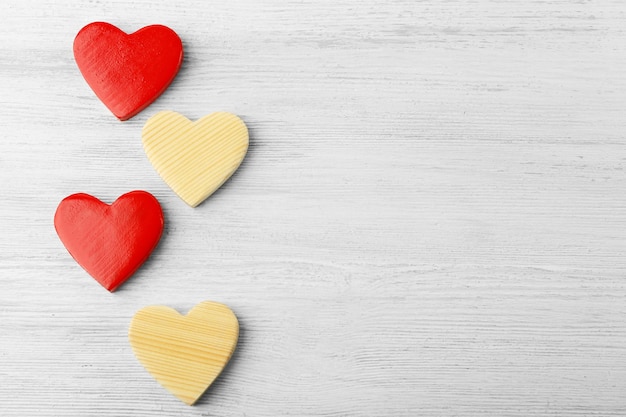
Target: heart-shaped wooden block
x=195, y=158
x=110, y=241
x=127, y=72
x=184, y=353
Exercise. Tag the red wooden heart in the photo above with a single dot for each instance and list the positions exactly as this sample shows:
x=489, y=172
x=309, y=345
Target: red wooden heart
x=110, y=241
x=127, y=72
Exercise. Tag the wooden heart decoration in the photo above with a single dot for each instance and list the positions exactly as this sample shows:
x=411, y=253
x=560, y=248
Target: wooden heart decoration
x=110, y=241
x=127, y=72
x=195, y=158
x=184, y=353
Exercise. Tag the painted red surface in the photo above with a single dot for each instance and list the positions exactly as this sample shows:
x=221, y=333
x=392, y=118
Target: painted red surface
x=110, y=241
x=127, y=72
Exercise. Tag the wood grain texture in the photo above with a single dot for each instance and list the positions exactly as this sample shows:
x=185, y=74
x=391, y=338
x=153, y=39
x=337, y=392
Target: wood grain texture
x=195, y=158
x=184, y=353
x=430, y=219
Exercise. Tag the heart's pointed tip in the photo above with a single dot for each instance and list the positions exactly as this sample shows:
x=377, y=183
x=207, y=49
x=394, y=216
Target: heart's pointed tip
x=190, y=403
x=193, y=204
x=123, y=116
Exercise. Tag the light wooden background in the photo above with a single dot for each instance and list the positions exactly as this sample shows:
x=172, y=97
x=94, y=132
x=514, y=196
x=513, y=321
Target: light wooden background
x=431, y=219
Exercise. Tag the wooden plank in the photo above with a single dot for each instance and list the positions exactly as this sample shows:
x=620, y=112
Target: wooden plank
x=430, y=219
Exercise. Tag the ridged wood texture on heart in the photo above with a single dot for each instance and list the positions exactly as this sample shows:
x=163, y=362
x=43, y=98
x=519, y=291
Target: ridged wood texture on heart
x=184, y=353
x=195, y=158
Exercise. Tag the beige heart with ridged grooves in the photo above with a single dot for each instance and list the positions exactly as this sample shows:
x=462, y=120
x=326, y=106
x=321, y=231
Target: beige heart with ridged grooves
x=195, y=158
x=184, y=353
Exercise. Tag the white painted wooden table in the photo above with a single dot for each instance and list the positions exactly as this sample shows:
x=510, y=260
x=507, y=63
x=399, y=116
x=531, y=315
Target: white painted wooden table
x=431, y=219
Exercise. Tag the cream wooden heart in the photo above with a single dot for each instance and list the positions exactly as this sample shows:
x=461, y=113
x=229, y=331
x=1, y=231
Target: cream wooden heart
x=184, y=353
x=195, y=158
